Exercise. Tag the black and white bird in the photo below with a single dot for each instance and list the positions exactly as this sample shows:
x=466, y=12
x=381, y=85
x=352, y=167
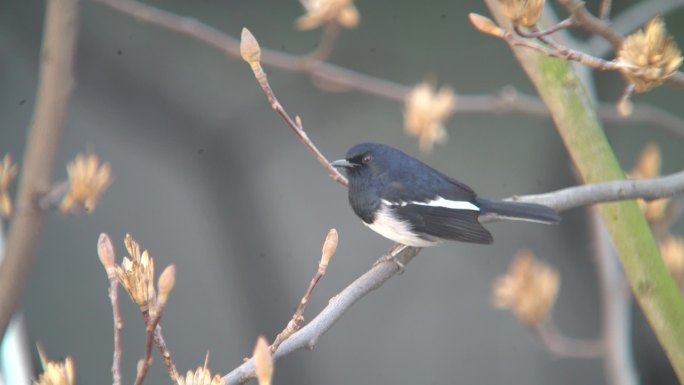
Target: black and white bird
x=407, y=201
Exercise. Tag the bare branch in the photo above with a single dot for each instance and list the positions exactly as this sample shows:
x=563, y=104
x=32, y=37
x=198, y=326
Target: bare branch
x=580, y=196
x=584, y=19
x=616, y=301
x=158, y=338
x=338, y=77
x=604, y=10
x=557, y=343
x=630, y=19
x=54, y=91
x=308, y=336
x=297, y=319
x=150, y=328
x=105, y=251
x=560, y=200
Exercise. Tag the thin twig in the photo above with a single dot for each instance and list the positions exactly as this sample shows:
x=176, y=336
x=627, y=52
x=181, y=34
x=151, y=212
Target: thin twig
x=158, y=338
x=308, y=336
x=295, y=323
x=584, y=19
x=629, y=20
x=347, y=79
x=557, y=343
x=105, y=251
x=325, y=47
x=298, y=318
x=604, y=9
x=150, y=327
x=548, y=48
x=118, y=325
x=51, y=199
x=54, y=92
x=534, y=34
x=253, y=54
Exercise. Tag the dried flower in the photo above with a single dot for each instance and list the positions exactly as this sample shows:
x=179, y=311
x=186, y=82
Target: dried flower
x=672, y=250
x=424, y=113
x=523, y=12
x=648, y=166
x=56, y=373
x=201, y=376
x=263, y=361
x=87, y=182
x=8, y=172
x=319, y=12
x=649, y=56
x=136, y=274
x=529, y=289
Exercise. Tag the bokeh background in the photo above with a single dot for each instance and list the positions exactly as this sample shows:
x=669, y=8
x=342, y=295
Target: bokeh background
x=208, y=177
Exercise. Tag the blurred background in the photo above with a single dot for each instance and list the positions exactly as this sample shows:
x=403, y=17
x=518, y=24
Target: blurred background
x=209, y=178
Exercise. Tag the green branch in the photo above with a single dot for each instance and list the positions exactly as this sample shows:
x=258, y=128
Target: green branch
x=575, y=117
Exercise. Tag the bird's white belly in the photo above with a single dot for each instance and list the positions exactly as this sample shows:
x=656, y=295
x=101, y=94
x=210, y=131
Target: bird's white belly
x=387, y=225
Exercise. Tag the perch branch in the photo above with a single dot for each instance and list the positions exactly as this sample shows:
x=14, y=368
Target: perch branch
x=560, y=200
x=54, y=91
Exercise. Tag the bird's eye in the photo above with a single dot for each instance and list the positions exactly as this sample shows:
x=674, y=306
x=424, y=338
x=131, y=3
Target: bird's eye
x=367, y=158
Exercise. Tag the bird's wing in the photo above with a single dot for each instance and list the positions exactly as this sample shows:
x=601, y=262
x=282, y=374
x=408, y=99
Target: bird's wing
x=443, y=222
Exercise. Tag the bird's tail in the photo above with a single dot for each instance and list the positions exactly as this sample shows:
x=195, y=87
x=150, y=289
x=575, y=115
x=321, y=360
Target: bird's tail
x=520, y=211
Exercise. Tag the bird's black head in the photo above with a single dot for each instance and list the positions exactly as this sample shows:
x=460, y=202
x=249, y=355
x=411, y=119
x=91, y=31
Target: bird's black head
x=366, y=159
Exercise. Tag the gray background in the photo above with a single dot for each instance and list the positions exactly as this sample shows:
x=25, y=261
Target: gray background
x=209, y=178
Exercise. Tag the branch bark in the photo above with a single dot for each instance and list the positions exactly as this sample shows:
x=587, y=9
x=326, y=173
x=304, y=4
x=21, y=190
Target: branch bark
x=56, y=82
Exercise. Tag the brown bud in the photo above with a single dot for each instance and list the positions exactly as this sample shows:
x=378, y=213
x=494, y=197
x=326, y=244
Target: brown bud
x=105, y=250
x=249, y=48
x=167, y=280
x=486, y=25
x=329, y=247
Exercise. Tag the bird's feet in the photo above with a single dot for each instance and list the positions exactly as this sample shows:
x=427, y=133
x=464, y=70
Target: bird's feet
x=392, y=256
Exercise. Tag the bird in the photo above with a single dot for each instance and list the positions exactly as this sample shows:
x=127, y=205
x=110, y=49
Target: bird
x=409, y=202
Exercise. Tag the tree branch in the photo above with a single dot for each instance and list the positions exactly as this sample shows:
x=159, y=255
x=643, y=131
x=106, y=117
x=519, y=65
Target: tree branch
x=574, y=116
x=580, y=196
x=347, y=79
x=616, y=306
x=565, y=199
x=584, y=19
x=629, y=20
x=54, y=91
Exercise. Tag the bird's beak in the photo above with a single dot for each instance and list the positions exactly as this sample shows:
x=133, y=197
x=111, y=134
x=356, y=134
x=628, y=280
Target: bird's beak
x=342, y=163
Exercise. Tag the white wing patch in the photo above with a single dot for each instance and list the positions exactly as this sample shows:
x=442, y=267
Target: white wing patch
x=439, y=202
x=391, y=227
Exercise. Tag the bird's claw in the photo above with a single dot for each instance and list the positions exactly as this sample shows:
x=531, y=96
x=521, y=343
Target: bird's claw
x=392, y=257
